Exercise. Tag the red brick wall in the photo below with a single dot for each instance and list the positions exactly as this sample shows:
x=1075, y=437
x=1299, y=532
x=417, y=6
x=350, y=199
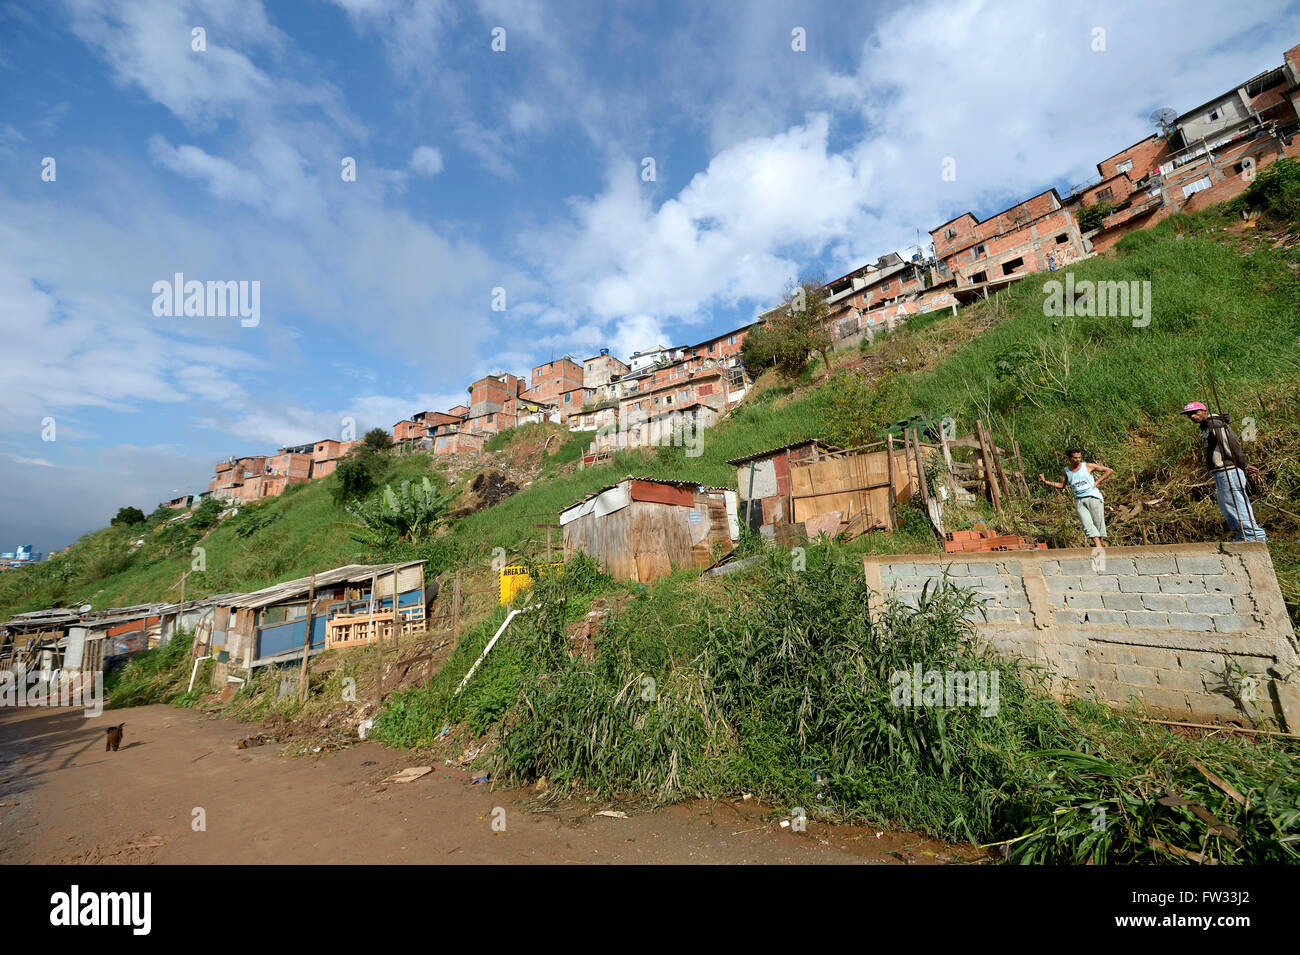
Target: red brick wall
x=1146, y=155
x=553, y=379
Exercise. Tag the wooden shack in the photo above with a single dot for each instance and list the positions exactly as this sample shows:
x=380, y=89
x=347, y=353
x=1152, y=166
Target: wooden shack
x=813, y=487
x=763, y=482
x=643, y=529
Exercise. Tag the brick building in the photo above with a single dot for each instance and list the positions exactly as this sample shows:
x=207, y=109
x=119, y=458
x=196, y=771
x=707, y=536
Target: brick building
x=1203, y=156
x=1008, y=244
x=494, y=403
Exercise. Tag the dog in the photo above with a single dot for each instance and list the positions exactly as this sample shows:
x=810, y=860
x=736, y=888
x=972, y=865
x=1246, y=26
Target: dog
x=114, y=737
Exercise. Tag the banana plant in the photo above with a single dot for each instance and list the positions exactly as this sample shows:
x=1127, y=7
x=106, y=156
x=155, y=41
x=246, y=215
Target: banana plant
x=407, y=514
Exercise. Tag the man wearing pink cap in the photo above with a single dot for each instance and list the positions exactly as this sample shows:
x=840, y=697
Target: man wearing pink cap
x=1226, y=461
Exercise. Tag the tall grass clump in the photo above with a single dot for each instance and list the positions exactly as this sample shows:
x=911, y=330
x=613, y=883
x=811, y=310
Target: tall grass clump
x=157, y=675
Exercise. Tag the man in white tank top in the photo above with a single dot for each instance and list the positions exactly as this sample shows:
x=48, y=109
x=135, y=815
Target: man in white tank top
x=1082, y=477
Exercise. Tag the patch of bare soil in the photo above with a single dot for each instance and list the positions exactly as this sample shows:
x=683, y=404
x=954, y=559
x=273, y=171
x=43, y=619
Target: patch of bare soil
x=180, y=791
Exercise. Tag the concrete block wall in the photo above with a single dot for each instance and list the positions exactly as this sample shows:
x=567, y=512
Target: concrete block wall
x=1186, y=629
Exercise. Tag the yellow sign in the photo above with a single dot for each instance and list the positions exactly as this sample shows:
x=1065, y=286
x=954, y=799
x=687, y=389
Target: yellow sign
x=515, y=578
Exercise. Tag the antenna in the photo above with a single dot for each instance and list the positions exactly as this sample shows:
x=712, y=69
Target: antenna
x=1162, y=118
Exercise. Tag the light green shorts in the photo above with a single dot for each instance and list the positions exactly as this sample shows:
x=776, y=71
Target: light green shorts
x=1092, y=515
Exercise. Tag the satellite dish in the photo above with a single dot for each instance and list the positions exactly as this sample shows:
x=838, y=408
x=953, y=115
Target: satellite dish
x=1163, y=117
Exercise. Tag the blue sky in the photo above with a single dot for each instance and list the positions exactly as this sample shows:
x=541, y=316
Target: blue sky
x=477, y=169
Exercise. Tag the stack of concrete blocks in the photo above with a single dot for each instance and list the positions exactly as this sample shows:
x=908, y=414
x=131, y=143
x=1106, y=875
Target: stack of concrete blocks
x=1195, y=632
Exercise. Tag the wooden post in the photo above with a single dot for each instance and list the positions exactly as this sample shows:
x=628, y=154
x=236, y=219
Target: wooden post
x=997, y=465
x=306, y=641
x=893, y=503
x=920, y=468
x=986, y=456
x=947, y=460
x=455, y=606
x=397, y=618
x=1020, y=468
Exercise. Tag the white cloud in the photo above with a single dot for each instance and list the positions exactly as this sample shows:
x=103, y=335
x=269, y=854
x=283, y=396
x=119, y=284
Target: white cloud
x=426, y=160
x=737, y=232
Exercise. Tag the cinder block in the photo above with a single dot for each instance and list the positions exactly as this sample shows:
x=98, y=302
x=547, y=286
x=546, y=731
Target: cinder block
x=1199, y=622
x=1163, y=698
x=1050, y=568
x=1122, y=566
x=1233, y=624
x=1139, y=585
x=1077, y=565
x=1100, y=584
x=1113, y=653
x=1000, y=615
x=1012, y=567
x=1157, y=657
x=1017, y=599
x=958, y=570
x=1208, y=706
x=1155, y=565
x=1188, y=680
x=1083, y=601
x=1060, y=585
x=1122, y=602
x=1201, y=564
x=1220, y=584
x=1166, y=603
x=1097, y=672
x=1145, y=619
x=1204, y=603
x=1181, y=585
x=982, y=569
x=889, y=571
x=1106, y=618
x=1137, y=676
x=991, y=583
x=1067, y=618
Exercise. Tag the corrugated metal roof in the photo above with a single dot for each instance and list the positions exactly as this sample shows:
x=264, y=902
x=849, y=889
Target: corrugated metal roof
x=785, y=447
x=651, y=480
x=351, y=573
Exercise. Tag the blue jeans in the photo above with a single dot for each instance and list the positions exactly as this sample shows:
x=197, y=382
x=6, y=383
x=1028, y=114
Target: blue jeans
x=1230, y=492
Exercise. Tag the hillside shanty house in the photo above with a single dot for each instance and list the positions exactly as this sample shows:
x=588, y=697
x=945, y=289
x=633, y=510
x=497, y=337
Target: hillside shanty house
x=812, y=487
x=353, y=605
x=763, y=480
x=643, y=529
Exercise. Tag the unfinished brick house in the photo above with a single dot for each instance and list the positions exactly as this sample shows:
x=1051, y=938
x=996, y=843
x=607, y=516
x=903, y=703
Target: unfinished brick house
x=325, y=456
x=723, y=349
x=602, y=370
x=494, y=403
x=228, y=483
x=458, y=441
x=555, y=384
x=1203, y=156
x=889, y=279
x=292, y=462
x=1008, y=245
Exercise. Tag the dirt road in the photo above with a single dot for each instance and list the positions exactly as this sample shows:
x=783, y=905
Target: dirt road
x=63, y=799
